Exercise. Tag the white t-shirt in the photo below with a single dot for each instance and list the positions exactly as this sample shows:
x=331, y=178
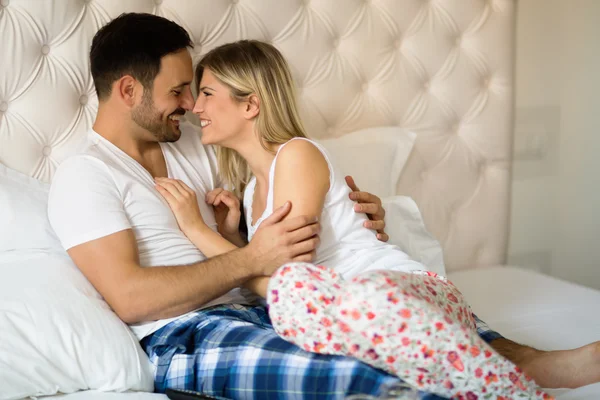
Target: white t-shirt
x=102, y=190
x=346, y=245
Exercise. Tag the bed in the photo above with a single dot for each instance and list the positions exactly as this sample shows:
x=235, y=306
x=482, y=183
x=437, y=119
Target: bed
x=530, y=313
x=440, y=69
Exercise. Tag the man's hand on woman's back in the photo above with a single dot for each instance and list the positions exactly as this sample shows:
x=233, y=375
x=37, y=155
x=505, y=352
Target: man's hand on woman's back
x=369, y=204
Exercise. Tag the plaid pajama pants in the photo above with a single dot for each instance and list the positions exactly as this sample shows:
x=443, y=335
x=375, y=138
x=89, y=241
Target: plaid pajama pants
x=232, y=351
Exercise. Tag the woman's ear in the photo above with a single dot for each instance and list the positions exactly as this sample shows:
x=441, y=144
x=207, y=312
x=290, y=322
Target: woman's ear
x=252, y=107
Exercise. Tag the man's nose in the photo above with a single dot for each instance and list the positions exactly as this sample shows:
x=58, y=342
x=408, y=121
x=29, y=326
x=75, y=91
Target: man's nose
x=187, y=100
x=199, y=106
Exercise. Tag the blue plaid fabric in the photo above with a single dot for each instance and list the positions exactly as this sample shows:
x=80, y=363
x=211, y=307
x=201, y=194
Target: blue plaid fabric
x=485, y=332
x=232, y=352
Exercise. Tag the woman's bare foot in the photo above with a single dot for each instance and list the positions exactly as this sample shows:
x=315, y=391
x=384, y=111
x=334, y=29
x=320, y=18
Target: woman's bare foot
x=554, y=369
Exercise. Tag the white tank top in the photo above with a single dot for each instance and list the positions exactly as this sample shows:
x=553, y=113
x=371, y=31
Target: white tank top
x=346, y=245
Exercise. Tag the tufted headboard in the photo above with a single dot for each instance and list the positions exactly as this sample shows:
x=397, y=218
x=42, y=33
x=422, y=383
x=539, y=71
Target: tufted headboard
x=441, y=68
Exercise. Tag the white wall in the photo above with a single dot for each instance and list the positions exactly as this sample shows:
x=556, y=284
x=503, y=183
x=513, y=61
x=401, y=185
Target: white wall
x=555, y=224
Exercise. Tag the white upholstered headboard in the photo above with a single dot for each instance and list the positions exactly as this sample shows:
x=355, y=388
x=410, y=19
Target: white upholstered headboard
x=441, y=68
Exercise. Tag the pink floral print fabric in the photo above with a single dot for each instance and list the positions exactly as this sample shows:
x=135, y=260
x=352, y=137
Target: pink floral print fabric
x=414, y=325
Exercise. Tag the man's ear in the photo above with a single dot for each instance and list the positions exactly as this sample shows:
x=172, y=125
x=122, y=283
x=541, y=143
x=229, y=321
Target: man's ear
x=252, y=107
x=127, y=89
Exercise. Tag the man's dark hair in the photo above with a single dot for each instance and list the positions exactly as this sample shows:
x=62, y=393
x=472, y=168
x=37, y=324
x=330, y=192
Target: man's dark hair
x=133, y=44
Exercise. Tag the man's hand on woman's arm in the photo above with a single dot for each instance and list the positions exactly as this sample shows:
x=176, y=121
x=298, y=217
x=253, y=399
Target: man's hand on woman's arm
x=138, y=294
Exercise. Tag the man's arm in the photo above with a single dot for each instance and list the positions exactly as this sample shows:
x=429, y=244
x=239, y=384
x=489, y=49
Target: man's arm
x=138, y=294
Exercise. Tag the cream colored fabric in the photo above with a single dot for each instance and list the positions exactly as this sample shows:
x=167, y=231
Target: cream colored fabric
x=440, y=68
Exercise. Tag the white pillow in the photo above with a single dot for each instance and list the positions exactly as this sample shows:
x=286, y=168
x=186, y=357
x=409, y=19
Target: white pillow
x=374, y=157
x=23, y=214
x=56, y=332
x=406, y=229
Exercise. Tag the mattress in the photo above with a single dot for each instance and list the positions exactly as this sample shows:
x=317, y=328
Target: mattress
x=95, y=395
x=535, y=309
x=524, y=306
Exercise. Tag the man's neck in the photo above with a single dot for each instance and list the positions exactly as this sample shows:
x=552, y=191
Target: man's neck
x=122, y=133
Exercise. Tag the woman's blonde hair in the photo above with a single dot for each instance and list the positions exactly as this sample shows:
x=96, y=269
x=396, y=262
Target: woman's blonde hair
x=252, y=67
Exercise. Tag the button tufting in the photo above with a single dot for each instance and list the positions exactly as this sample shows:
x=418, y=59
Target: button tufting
x=367, y=40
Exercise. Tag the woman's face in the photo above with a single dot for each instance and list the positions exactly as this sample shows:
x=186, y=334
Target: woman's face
x=223, y=119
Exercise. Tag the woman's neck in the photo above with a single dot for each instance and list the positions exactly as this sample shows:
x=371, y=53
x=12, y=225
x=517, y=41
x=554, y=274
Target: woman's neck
x=259, y=160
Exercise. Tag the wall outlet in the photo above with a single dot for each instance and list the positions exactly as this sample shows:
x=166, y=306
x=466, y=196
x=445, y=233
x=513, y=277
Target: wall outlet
x=532, y=142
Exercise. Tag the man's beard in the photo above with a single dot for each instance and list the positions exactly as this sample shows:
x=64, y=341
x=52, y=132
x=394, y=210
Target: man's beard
x=148, y=117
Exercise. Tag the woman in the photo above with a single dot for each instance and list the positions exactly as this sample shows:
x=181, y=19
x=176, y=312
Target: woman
x=369, y=300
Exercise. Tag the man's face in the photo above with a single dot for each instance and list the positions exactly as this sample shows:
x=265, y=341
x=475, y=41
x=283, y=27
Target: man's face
x=160, y=108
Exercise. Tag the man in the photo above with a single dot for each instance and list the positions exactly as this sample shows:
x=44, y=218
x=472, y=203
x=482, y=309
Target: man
x=193, y=316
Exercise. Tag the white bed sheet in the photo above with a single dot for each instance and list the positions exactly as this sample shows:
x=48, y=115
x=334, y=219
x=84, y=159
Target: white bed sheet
x=95, y=395
x=535, y=309
x=524, y=306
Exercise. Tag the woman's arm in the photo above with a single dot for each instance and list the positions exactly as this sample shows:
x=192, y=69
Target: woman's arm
x=213, y=244
x=209, y=242
x=301, y=177
x=183, y=202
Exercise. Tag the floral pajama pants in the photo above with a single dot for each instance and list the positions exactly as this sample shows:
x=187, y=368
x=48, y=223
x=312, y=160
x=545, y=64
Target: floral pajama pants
x=414, y=325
